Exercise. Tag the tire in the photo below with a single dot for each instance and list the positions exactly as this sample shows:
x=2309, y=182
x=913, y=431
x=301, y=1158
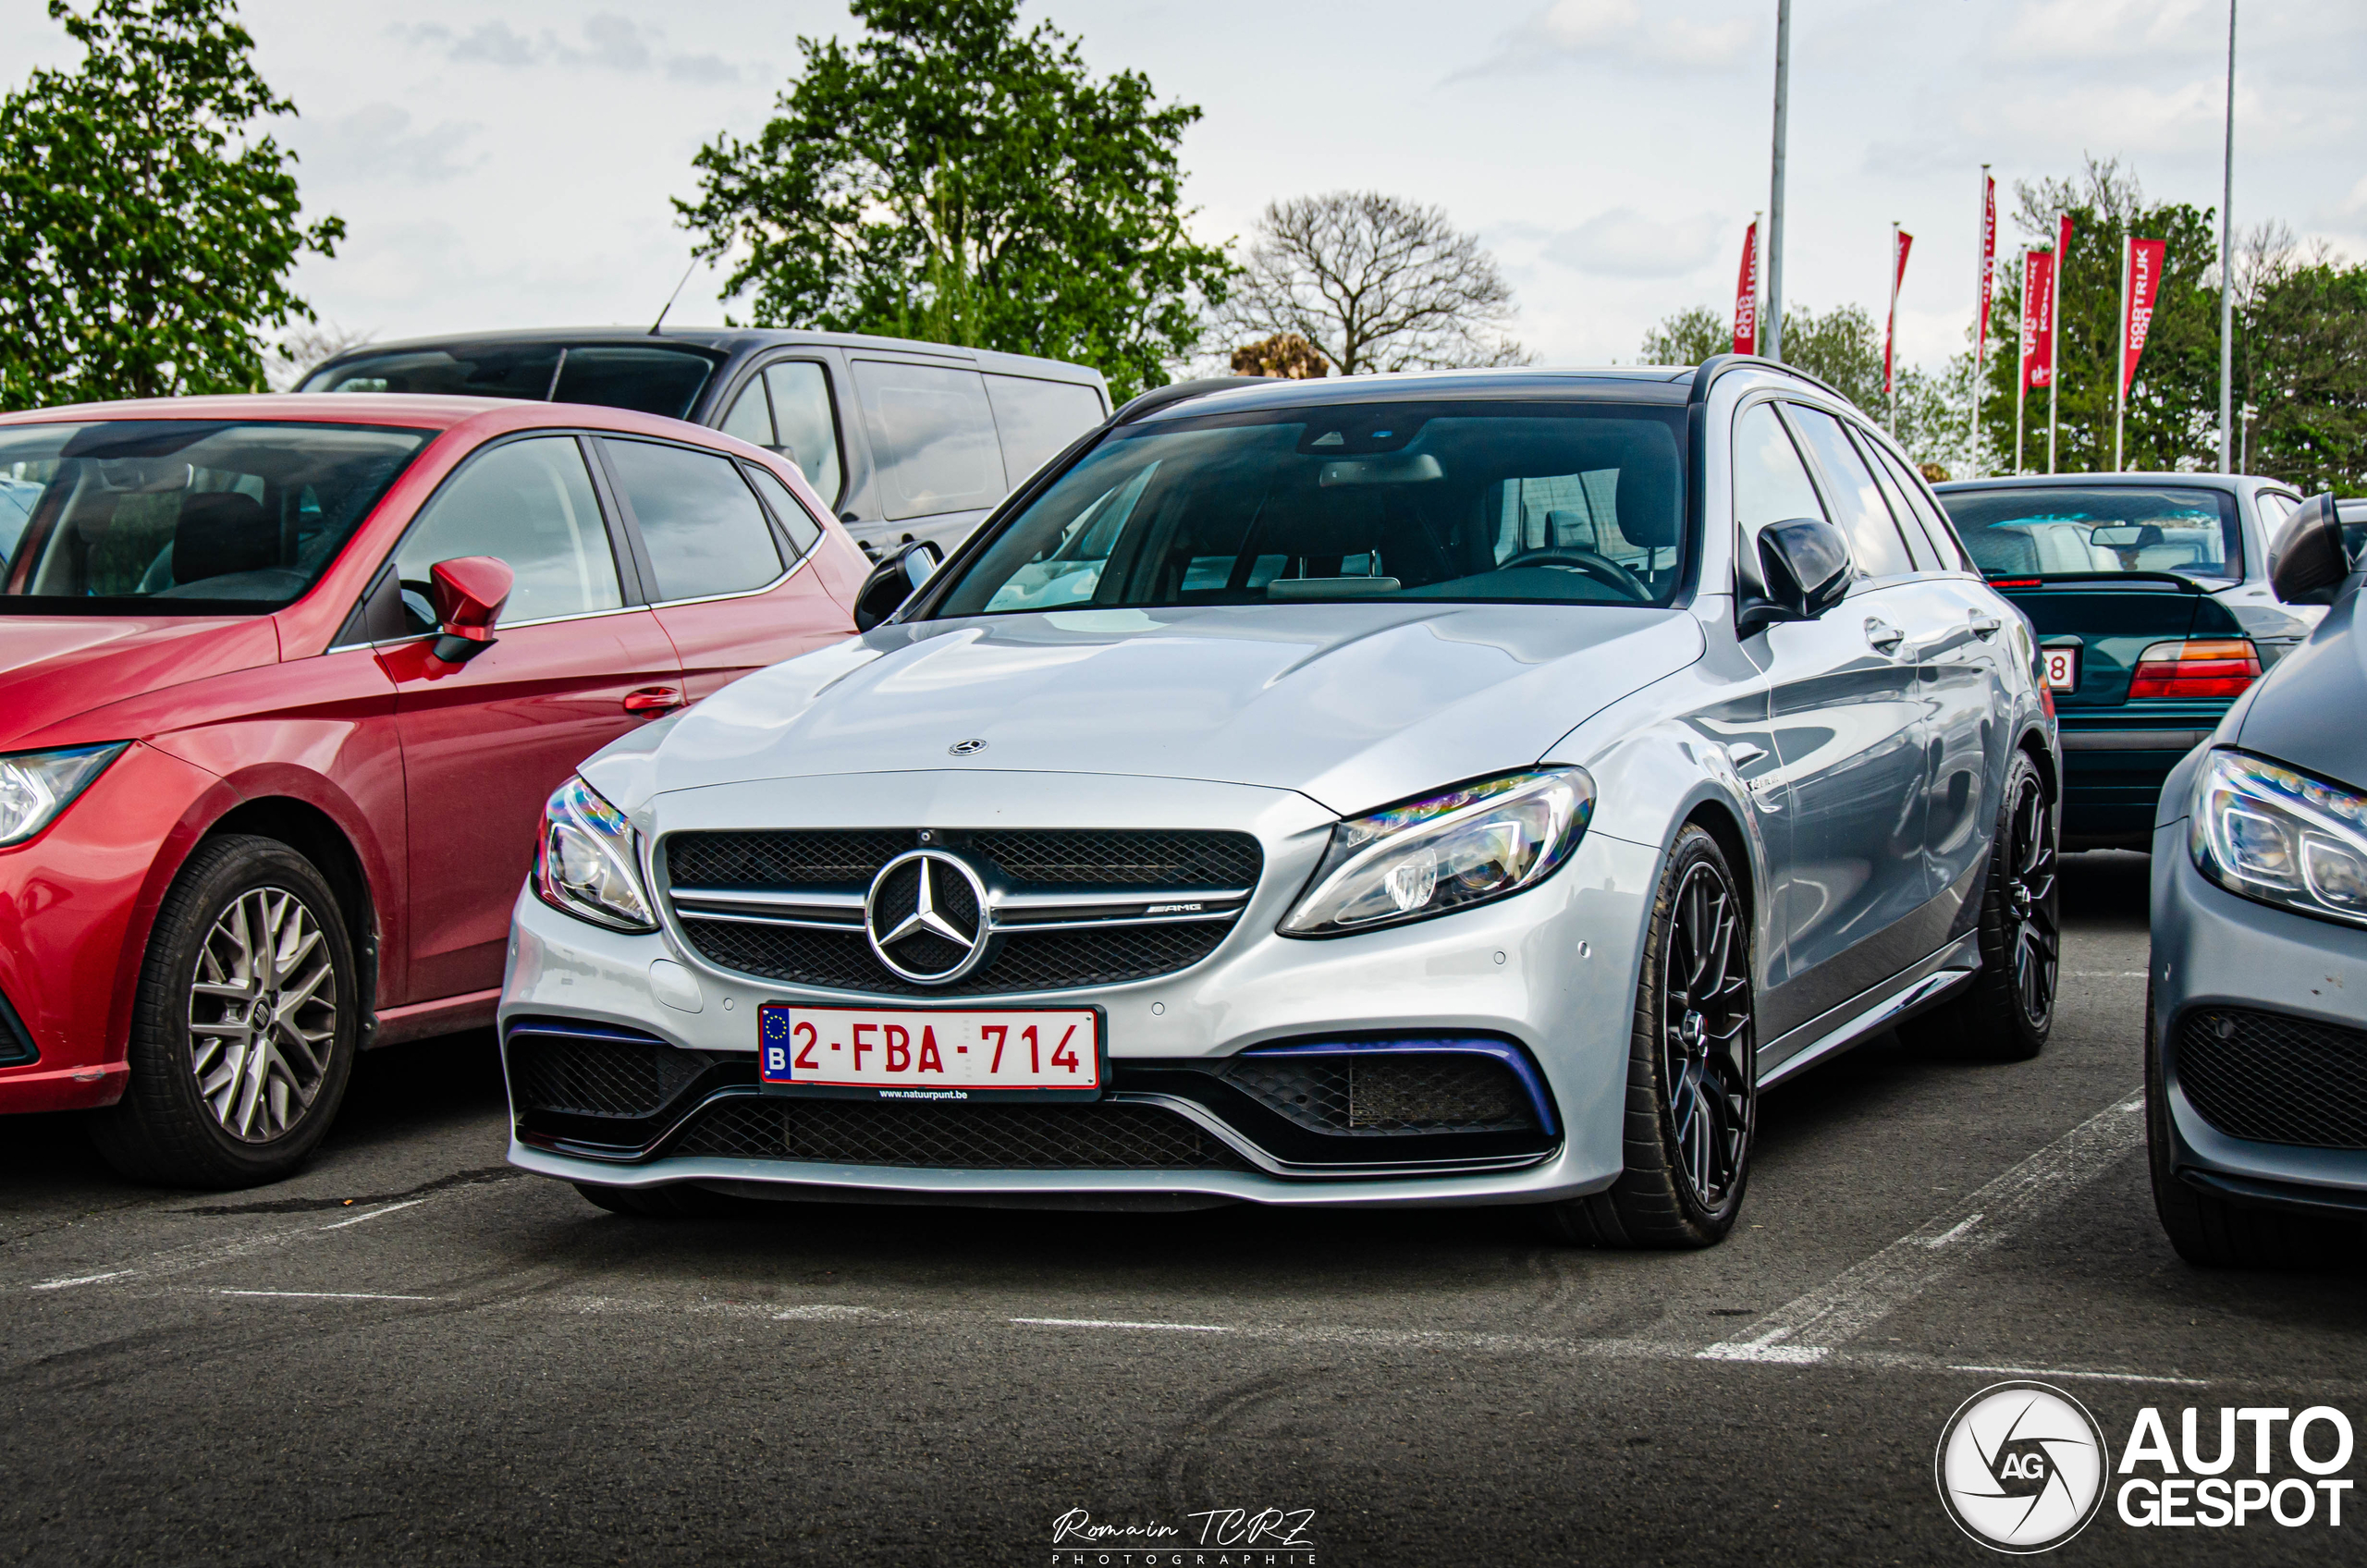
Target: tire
x=1692, y=1070
x=208, y=1102
x=2210, y=1232
x=2007, y=1011
x=655, y=1203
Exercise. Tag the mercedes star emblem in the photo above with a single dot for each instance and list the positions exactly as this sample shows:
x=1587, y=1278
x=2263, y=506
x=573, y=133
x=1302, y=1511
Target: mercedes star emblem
x=965, y=748
x=925, y=917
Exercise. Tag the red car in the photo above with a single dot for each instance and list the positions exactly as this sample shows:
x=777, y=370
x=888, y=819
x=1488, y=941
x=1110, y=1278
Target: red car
x=285, y=682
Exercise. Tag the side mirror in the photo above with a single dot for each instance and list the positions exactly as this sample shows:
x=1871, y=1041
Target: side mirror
x=2309, y=560
x=469, y=592
x=1804, y=567
x=893, y=581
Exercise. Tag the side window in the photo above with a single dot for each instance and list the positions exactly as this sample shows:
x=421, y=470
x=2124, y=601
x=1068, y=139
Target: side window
x=1874, y=540
x=803, y=532
x=700, y=522
x=1927, y=511
x=932, y=435
x=1035, y=418
x=1919, y=543
x=808, y=424
x=530, y=504
x=751, y=418
x=1770, y=483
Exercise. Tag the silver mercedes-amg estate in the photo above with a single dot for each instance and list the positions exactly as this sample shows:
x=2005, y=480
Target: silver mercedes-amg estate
x=1414, y=790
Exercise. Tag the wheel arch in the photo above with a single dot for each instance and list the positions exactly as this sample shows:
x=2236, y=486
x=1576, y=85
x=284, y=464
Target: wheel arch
x=315, y=835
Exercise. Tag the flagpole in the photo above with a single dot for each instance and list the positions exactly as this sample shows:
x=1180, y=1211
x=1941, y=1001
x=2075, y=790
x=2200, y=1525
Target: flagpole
x=2228, y=268
x=1890, y=337
x=2053, y=341
x=2021, y=354
x=1984, y=269
x=1772, y=332
x=2121, y=365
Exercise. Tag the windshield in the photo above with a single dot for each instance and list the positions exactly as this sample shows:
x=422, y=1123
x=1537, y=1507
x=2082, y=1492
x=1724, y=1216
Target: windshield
x=1554, y=503
x=647, y=378
x=183, y=516
x=2081, y=529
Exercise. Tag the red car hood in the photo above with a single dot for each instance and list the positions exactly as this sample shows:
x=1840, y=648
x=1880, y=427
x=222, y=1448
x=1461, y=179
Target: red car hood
x=54, y=668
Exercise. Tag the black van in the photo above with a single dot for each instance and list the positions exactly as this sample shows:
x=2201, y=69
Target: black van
x=905, y=440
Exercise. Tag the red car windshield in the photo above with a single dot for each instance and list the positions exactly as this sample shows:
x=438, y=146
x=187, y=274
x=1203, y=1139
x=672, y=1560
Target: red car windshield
x=183, y=517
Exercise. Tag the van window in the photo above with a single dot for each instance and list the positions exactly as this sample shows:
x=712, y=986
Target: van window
x=1036, y=419
x=652, y=379
x=807, y=423
x=932, y=438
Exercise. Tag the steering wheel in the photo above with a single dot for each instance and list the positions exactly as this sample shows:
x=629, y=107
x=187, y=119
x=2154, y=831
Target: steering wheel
x=1600, y=567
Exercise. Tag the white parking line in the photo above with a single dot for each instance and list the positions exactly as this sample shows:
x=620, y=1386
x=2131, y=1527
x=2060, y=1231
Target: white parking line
x=2080, y=1372
x=324, y=1295
x=1113, y=1323
x=1807, y=1330
x=374, y=1214
x=82, y=1280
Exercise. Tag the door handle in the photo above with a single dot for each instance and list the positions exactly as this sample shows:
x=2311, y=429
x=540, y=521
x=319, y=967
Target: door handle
x=1882, y=635
x=1984, y=626
x=653, y=698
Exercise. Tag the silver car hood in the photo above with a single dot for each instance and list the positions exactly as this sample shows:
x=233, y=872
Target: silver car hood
x=1354, y=705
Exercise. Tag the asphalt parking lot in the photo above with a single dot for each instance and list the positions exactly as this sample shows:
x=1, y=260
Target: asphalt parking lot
x=411, y=1353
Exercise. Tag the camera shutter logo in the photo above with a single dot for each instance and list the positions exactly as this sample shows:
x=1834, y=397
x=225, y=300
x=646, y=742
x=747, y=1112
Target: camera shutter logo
x=2021, y=1467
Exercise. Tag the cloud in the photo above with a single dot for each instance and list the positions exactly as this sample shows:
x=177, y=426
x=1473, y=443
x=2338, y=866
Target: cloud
x=1620, y=30
x=2065, y=30
x=607, y=42
x=375, y=143
x=1625, y=243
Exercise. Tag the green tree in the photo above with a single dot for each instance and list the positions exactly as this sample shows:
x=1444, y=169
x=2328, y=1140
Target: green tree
x=2302, y=361
x=147, y=226
x=2173, y=404
x=953, y=178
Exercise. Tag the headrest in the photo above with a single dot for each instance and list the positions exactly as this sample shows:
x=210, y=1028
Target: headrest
x=1647, y=504
x=221, y=532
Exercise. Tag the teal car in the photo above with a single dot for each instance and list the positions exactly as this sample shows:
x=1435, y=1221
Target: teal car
x=2150, y=596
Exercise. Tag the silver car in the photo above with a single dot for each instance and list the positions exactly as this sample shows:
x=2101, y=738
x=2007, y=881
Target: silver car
x=1445, y=789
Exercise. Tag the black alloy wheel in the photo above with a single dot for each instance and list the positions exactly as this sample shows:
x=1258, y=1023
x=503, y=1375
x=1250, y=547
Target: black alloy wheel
x=1693, y=1068
x=2006, y=1011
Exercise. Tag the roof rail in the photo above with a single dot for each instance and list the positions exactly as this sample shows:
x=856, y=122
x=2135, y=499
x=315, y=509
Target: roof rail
x=1717, y=366
x=1159, y=398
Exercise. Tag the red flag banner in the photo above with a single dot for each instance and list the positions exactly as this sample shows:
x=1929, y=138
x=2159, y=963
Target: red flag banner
x=1900, y=243
x=1747, y=294
x=2038, y=319
x=2144, y=286
x=1988, y=264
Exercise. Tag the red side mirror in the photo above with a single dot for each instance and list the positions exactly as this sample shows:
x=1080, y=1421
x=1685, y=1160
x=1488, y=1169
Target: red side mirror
x=469, y=593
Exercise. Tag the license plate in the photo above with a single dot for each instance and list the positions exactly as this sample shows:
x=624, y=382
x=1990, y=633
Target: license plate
x=2062, y=667
x=930, y=1054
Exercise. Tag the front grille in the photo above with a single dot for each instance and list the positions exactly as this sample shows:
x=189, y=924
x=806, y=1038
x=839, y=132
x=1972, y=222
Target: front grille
x=603, y=1074
x=1101, y=861
x=1096, y=1136
x=2271, y=1079
x=1386, y=1092
x=1044, y=961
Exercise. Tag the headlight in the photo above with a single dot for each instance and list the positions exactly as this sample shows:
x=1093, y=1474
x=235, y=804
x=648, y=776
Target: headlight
x=36, y=786
x=1445, y=852
x=585, y=861
x=2283, y=838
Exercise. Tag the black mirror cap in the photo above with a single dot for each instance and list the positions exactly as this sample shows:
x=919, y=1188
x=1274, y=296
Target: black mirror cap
x=2307, y=562
x=1804, y=565
x=894, y=580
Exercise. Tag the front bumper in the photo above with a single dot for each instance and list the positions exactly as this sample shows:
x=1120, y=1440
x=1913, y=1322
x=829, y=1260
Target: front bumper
x=2213, y=950
x=1509, y=971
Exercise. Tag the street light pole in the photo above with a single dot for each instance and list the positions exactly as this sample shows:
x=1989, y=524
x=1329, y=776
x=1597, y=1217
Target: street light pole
x=1773, y=333
x=2228, y=269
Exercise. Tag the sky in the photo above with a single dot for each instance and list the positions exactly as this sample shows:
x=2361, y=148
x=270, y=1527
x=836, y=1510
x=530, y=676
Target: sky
x=509, y=162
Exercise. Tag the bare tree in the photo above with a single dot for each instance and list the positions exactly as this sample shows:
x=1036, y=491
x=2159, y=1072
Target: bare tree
x=304, y=345
x=1374, y=283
